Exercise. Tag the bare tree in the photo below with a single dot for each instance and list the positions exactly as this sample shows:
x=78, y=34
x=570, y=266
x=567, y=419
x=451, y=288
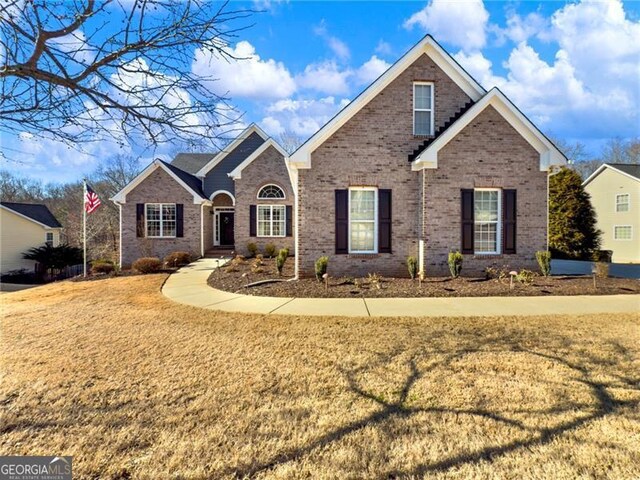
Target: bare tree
x=82, y=70
x=290, y=141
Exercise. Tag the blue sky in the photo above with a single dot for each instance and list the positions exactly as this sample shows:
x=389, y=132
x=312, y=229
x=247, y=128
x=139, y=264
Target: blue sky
x=574, y=68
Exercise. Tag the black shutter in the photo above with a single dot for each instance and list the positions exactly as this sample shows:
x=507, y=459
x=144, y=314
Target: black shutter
x=466, y=217
x=289, y=219
x=509, y=216
x=342, y=221
x=180, y=220
x=252, y=221
x=384, y=221
x=140, y=220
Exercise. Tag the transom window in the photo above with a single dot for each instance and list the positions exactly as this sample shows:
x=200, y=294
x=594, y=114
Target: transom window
x=622, y=202
x=49, y=238
x=270, y=191
x=363, y=219
x=486, y=205
x=622, y=232
x=423, y=108
x=160, y=219
x=271, y=221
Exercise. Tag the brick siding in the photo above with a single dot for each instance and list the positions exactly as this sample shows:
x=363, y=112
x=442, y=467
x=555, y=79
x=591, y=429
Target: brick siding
x=159, y=187
x=268, y=168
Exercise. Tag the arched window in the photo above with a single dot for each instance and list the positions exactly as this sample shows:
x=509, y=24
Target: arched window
x=269, y=192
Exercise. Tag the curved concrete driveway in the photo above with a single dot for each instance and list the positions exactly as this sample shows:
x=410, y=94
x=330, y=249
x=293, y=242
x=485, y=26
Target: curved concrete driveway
x=189, y=286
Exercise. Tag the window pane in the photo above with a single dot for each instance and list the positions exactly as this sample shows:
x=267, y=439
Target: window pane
x=423, y=96
x=486, y=236
x=422, y=123
x=278, y=220
x=622, y=233
x=486, y=206
x=622, y=203
x=362, y=236
x=363, y=204
x=271, y=191
x=264, y=213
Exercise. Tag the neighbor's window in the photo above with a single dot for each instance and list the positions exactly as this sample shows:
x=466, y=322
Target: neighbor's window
x=270, y=191
x=622, y=232
x=363, y=218
x=422, y=108
x=271, y=221
x=49, y=238
x=487, y=221
x=161, y=219
x=622, y=202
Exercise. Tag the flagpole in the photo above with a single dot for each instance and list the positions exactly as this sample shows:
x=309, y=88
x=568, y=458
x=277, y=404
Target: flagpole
x=84, y=228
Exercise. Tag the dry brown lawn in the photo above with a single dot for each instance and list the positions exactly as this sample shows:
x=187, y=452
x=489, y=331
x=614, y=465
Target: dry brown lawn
x=135, y=386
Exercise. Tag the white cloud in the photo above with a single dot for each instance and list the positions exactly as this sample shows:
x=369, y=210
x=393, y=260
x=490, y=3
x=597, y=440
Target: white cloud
x=337, y=46
x=384, y=48
x=325, y=77
x=301, y=116
x=520, y=29
x=462, y=24
x=371, y=69
x=249, y=76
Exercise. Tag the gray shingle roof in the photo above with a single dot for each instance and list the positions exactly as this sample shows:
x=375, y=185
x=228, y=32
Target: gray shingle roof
x=632, y=169
x=193, y=182
x=34, y=211
x=192, y=162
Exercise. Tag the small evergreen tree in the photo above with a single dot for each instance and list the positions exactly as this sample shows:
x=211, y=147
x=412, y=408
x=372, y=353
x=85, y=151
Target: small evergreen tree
x=572, y=219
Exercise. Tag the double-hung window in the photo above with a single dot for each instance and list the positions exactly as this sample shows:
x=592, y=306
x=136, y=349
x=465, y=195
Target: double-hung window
x=423, y=108
x=49, y=238
x=487, y=211
x=160, y=220
x=363, y=220
x=271, y=220
x=622, y=202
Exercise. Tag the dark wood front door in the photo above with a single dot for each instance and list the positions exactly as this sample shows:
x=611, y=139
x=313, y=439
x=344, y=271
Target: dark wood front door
x=226, y=228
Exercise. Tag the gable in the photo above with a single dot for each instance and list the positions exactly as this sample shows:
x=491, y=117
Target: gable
x=161, y=181
x=549, y=155
x=35, y=213
x=630, y=171
x=217, y=177
x=301, y=158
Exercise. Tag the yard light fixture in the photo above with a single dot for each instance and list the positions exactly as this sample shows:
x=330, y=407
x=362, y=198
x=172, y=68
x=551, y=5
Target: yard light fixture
x=513, y=274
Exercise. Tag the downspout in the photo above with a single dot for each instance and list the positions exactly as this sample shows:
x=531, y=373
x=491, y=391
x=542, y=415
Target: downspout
x=294, y=177
x=422, y=229
x=120, y=236
x=202, y=229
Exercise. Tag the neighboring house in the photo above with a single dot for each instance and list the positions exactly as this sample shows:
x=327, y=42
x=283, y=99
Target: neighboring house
x=615, y=195
x=199, y=202
x=22, y=227
x=423, y=162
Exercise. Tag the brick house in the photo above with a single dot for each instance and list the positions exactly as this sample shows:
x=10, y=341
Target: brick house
x=203, y=202
x=424, y=161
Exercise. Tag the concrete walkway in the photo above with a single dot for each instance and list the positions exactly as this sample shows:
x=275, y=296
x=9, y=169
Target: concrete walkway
x=189, y=286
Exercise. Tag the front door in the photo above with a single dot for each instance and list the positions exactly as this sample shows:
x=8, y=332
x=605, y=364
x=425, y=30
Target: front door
x=226, y=229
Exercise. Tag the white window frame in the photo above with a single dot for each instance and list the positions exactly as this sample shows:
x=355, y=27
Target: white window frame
x=498, y=249
x=146, y=229
x=271, y=207
x=284, y=194
x=623, y=239
x=375, y=219
x=431, y=110
x=628, y=203
x=46, y=238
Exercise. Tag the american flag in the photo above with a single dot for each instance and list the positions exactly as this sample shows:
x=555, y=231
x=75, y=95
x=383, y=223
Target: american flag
x=91, y=200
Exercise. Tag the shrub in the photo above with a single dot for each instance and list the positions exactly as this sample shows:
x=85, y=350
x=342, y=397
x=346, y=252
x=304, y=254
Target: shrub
x=544, y=262
x=495, y=272
x=238, y=260
x=525, y=276
x=412, y=265
x=270, y=250
x=602, y=256
x=455, y=263
x=177, y=259
x=102, y=266
x=375, y=279
x=280, y=259
x=147, y=265
x=284, y=251
x=321, y=267
x=252, y=248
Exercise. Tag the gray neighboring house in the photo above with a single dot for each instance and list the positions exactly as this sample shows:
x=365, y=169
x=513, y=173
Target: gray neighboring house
x=202, y=202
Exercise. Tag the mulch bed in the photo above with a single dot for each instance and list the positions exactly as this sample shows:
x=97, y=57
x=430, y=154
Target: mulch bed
x=232, y=280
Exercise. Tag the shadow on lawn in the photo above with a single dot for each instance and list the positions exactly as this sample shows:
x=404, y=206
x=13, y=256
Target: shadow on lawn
x=603, y=404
